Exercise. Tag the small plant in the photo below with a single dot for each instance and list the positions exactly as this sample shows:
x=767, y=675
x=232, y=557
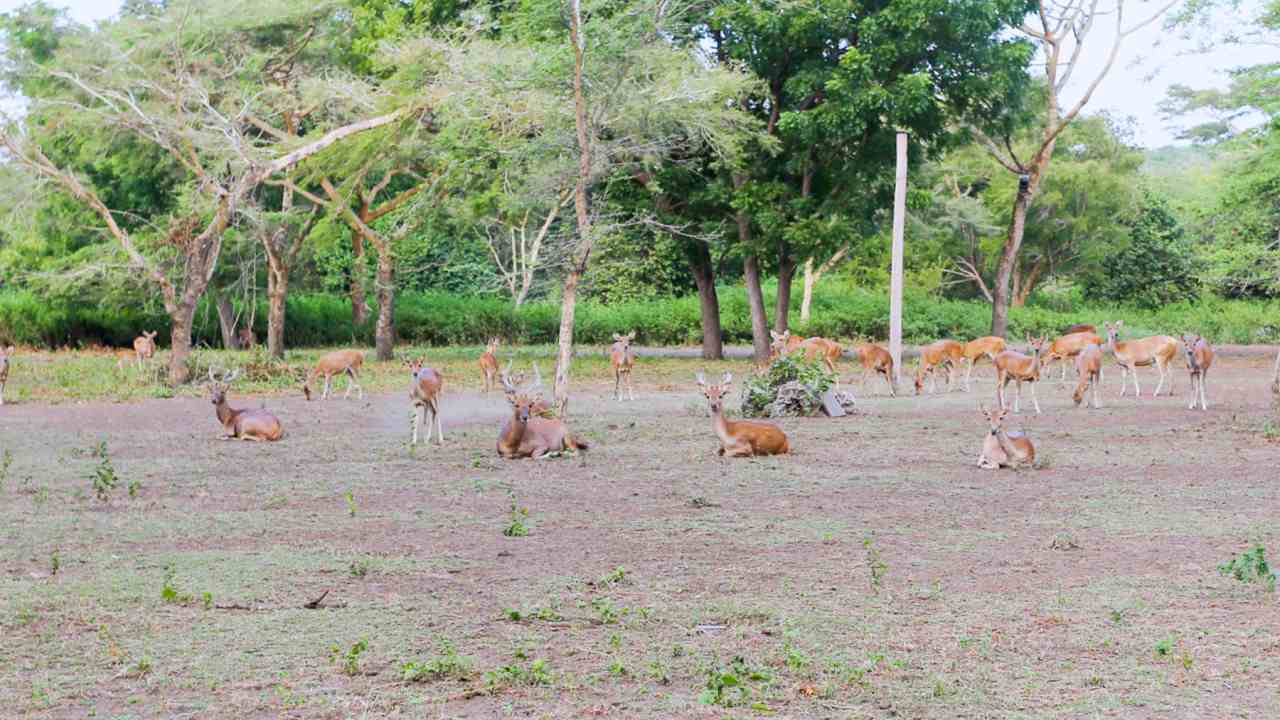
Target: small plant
x=348, y=661
x=55, y=563
x=518, y=526
x=6, y=462
x=206, y=599
x=609, y=614
x=351, y=503
x=447, y=665
x=1251, y=566
x=359, y=568
x=141, y=668
x=169, y=589
x=537, y=673
x=134, y=487
x=615, y=577
x=733, y=685
x=876, y=566
x=103, y=475
x=1165, y=646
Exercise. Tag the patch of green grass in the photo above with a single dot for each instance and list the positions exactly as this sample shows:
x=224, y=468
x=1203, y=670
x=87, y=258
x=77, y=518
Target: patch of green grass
x=446, y=664
x=348, y=661
x=1251, y=566
x=103, y=476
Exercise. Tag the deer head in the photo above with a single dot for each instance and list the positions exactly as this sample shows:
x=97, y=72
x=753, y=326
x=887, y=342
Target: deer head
x=1036, y=344
x=995, y=418
x=492, y=347
x=1189, y=342
x=1113, y=330
x=623, y=342
x=715, y=393
x=218, y=386
x=779, y=341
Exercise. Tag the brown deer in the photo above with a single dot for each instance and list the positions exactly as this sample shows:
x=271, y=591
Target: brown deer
x=877, y=359
x=1082, y=327
x=1199, y=358
x=784, y=343
x=247, y=339
x=1068, y=346
x=489, y=363
x=948, y=352
x=740, y=438
x=623, y=359
x=1089, y=369
x=1012, y=365
x=248, y=424
x=1004, y=449
x=338, y=362
x=813, y=348
x=510, y=381
x=5, y=354
x=526, y=434
x=424, y=391
x=1156, y=350
x=144, y=347
x=988, y=347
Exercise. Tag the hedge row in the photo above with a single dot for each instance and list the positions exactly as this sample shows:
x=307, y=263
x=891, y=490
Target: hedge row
x=439, y=319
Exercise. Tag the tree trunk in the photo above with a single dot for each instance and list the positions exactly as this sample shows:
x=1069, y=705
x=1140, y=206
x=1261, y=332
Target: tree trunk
x=1026, y=282
x=806, y=298
x=759, y=321
x=1004, y=273
x=183, y=317
x=385, y=333
x=277, y=291
x=359, y=302
x=782, y=306
x=226, y=321
x=564, y=354
x=708, y=301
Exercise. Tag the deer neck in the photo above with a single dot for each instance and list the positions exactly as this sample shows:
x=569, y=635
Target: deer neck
x=720, y=424
x=226, y=414
x=515, y=431
x=1007, y=445
x=1034, y=370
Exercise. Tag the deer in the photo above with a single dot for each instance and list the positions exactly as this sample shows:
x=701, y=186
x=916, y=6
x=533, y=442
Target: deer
x=740, y=438
x=784, y=343
x=144, y=347
x=1089, y=369
x=424, y=392
x=247, y=339
x=1012, y=365
x=1082, y=327
x=1199, y=357
x=1068, y=346
x=489, y=363
x=248, y=424
x=510, y=381
x=876, y=358
x=1155, y=350
x=5, y=354
x=1001, y=448
x=526, y=434
x=987, y=346
x=947, y=352
x=338, y=362
x=623, y=359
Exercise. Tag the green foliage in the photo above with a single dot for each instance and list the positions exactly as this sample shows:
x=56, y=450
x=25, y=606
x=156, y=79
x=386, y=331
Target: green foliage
x=518, y=527
x=876, y=566
x=537, y=672
x=760, y=391
x=348, y=660
x=103, y=476
x=735, y=685
x=447, y=665
x=1251, y=566
x=1157, y=267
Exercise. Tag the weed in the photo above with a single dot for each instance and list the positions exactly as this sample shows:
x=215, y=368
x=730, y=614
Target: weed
x=518, y=526
x=349, y=661
x=658, y=671
x=55, y=563
x=796, y=659
x=141, y=668
x=1251, y=566
x=206, y=599
x=876, y=566
x=134, y=487
x=169, y=589
x=536, y=673
x=618, y=668
x=939, y=688
x=448, y=664
x=615, y=577
x=733, y=685
x=103, y=475
x=351, y=503
x=546, y=614
x=6, y=462
x=359, y=568
x=609, y=614
x=1165, y=646
x=40, y=497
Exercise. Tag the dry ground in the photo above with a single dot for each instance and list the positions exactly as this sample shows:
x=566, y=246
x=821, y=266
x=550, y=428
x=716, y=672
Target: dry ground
x=875, y=573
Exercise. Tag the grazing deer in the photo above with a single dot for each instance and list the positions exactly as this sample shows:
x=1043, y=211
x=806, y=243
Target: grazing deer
x=932, y=355
x=1156, y=350
x=1013, y=365
x=1199, y=358
x=5, y=354
x=338, y=362
x=876, y=358
x=741, y=438
x=247, y=339
x=1089, y=368
x=489, y=363
x=623, y=359
x=144, y=347
x=988, y=347
x=1068, y=346
x=526, y=434
x=1003, y=449
x=248, y=424
x=812, y=348
x=424, y=391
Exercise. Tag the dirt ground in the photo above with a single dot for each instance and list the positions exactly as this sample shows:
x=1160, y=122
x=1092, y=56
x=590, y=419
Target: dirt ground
x=875, y=573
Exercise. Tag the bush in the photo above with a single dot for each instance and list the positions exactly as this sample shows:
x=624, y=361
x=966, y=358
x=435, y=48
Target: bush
x=803, y=382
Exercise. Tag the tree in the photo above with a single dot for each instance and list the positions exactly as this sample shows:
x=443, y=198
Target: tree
x=1156, y=267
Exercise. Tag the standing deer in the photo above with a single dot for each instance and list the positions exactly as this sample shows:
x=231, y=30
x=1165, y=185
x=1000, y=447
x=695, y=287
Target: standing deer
x=988, y=347
x=248, y=424
x=876, y=358
x=623, y=359
x=947, y=352
x=1013, y=365
x=1156, y=350
x=489, y=363
x=1199, y=358
x=247, y=339
x=338, y=362
x=5, y=354
x=525, y=434
x=1003, y=449
x=144, y=347
x=741, y=438
x=424, y=391
x=1089, y=368
x=1068, y=346
x=813, y=348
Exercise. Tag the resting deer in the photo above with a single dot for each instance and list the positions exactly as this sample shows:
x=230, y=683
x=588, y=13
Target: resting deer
x=1082, y=327
x=525, y=434
x=1156, y=350
x=247, y=339
x=338, y=362
x=248, y=424
x=1199, y=358
x=740, y=438
x=948, y=352
x=876, y=358
x=1003, y=449
x=987, y=347
x=813, y=348
x=424, y=391
x=510, y=381
x=1089, y=368
x=1068, y=346
x=1013, y=365
x=144, y=347
x=5, y=354
x=489, y=363
x=623, y=359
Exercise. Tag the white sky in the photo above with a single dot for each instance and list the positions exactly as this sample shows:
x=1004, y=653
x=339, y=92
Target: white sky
x=1150, y=61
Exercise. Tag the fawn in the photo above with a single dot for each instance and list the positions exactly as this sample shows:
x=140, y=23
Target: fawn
x=1003, y=449
x=246, y=424
x=1199, y=358
x=338, y=362
x=489, y=363
x=741, y=438
x=623, y=359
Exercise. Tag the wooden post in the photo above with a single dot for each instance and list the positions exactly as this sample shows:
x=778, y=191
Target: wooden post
x=895, y=282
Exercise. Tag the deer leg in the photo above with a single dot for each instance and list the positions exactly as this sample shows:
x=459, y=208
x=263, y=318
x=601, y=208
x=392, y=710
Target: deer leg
x=888, y=380
x=350, y=379
x=417, y=420
x=1034, y=400
x=327, y=380
x=1160, y=369
x=435, y=410
x=631, y=390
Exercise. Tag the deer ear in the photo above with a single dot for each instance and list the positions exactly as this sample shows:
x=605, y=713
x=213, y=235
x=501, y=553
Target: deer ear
x=701, y=378
x=631, y=335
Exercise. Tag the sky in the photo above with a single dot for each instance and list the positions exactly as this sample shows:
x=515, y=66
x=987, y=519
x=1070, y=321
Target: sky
x=1149, y=62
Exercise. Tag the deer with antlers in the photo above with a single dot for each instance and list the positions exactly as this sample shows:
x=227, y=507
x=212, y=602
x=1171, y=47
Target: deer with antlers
x=489, y=363
x=623, y=359
x=1199, y=357
x=424, y=392
x=511, y=381
x=1013, y=366
x=814, y=348
x=1001, y=448
x=246, y=424
x=987, y=347
x=1089, y=370
x=876, y=359
x=1155, y=350
x=338, y=362
x=934, y=355
x=5, y=354
x=1068, y=346
x=526, y=434
x=740, y=438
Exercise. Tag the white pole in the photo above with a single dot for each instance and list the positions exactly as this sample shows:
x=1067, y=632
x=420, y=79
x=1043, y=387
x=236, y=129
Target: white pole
x=895, y=282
